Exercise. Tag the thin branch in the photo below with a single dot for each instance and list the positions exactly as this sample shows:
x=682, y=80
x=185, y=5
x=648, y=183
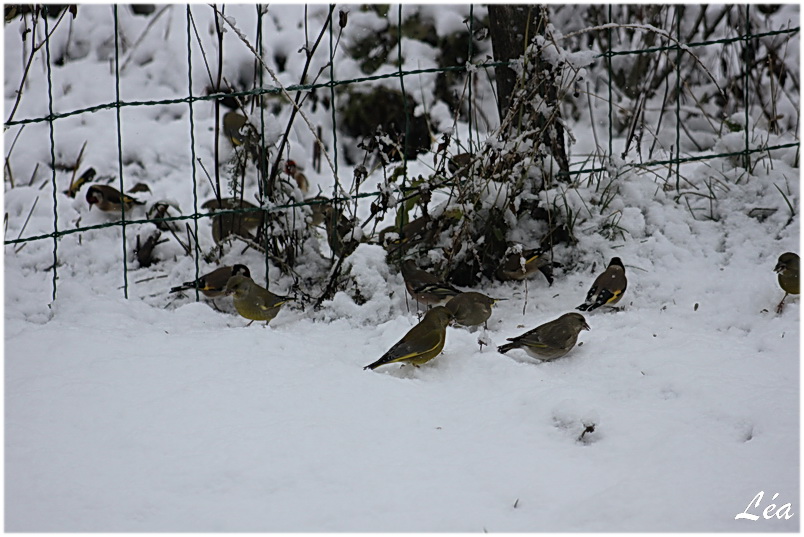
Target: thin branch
x=16, y=250
x=34, y=50
x=279, y=85
x=142, y=36
x=649, y=28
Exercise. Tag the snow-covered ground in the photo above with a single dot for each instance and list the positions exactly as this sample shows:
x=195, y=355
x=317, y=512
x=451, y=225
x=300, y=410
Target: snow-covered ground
x=157, y=413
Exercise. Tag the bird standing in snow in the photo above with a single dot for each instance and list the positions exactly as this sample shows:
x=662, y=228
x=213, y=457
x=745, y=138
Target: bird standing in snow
x=213, y=284
x=422, y=343
x=520, y=265
x=551, y=340
x=787, y=268
x=608, y=288
x=470, y=309
x=425, y=287
x=253, y=301
x=109, y=199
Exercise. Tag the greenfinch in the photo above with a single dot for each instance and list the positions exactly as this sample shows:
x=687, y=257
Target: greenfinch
x=233, y=124
x=421, y=229
x=422, y=343
x=253, y=301
x=608, y=288
x=424, y=287
x=213, y=284
x=470, y=309
x=228, y=224
x=787, y=268
x=292, y=169
x=521, y=265
x=109, y=199
x=242, y=133
x=551, y=340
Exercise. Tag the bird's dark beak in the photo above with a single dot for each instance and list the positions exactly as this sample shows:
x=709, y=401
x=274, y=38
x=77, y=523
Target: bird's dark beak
x=779, y=267
x=586, y=326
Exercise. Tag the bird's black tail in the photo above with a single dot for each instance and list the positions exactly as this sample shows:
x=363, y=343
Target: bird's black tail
x=183, y=287
x=505, y=348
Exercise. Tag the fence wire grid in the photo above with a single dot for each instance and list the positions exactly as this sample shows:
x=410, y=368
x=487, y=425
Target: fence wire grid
x=745, y=37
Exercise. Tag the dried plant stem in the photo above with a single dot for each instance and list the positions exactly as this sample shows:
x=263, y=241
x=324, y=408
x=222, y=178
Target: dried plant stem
x=22, y=245
x=279, y=85
x=34, y=50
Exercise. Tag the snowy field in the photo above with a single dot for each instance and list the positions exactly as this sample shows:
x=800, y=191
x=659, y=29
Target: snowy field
x=159, y=413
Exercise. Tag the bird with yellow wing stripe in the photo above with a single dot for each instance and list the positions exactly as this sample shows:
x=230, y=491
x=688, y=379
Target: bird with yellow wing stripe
x=608, y=288
x=213, y=284
x=422, y=343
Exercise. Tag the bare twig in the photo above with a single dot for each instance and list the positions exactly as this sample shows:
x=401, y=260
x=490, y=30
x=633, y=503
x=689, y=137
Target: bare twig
x=16, y=250
x=33, y=174
x=203, y=52
x=650, y=28
x=219, y=34
x=158, y=277
x=34, y=50
x=280, y=86
x=139, y=40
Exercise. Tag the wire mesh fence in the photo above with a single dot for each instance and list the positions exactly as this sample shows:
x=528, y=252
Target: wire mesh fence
x=638, y=63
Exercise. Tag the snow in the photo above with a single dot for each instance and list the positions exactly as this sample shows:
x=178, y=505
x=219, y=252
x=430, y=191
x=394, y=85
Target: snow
x=157, y=413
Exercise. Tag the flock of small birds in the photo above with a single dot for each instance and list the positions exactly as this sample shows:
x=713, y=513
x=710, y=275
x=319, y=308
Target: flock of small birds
x=451, y=306
x=447, y=304
x=546, y=342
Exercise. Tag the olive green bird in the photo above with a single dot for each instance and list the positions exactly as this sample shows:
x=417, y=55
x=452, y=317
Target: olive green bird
x=470, y=308
x=253, y=301
x=213, y=284
x=422, y=343
x=608, y=288
x=242, y=133
x=521, y=265
x=425, y=287
x=551, y=340
x=787, y=268
x=233, y=124
x=239, y=224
